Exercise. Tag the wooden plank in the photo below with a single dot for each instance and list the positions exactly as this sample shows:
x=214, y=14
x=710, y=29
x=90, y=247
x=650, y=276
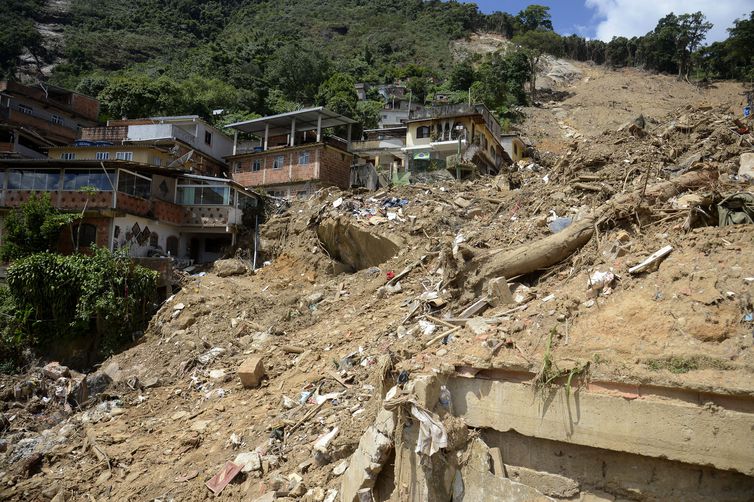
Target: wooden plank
x=652, y=259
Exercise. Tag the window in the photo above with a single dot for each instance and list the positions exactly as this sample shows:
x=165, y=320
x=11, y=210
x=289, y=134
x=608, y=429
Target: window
x=256, y=165
x=134, y=184
x=156, y=161
x=86, y=234
x=102, y=155
x=124, y=156
x=236, y=166
x=74, y=180
x=68, y=156
x=192, y=192
x=303, y=157
x=384, y=117
x=38, y=180
x=56, y=119
x=278, y=162
x=154, y=240
x=208, y=137
x=28, y=110
x=422, y=132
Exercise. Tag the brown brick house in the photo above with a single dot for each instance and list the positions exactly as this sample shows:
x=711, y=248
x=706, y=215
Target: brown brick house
x=33, y=118
x=292, y=156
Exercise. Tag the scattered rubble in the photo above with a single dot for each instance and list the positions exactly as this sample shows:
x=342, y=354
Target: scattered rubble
x=332, y=372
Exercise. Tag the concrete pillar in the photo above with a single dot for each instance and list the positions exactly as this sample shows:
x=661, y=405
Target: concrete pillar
x=319, y=128
x=266, y=135
x=235, y=141
x=293, y=132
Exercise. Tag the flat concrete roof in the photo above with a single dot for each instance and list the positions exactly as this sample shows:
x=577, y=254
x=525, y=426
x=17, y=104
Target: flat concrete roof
x=306, y=120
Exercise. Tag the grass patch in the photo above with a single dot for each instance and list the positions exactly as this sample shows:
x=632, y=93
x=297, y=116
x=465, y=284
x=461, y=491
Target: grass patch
x=684, y=364
x=549, y=372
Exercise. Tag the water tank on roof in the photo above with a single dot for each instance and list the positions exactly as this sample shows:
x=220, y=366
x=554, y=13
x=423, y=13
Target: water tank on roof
x=82, y=142
x=103, y=143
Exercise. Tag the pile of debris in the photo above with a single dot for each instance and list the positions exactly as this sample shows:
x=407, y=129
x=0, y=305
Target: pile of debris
x=333, y=372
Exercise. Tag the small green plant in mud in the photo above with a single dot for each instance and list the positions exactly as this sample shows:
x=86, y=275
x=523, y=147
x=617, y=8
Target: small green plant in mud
x=549, y=373
x=684, y=364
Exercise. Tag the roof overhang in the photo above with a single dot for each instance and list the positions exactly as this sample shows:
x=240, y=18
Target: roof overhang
x=306, y=120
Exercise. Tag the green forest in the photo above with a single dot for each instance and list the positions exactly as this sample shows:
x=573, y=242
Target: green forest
x=254, y=57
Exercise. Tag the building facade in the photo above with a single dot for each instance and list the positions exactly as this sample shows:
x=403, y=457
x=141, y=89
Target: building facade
x=152, y=211
x=462, y=138
x=292, y=156
x=183, y=142
x=34, y=118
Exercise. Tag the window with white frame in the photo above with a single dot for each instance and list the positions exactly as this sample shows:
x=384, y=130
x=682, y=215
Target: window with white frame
x=256, y=165
x=102, y=155
x=201, y=193
x=278, y=162
x=303, y=157
x=56, y=119
x=68, y=156
x=28, y=110
x=124, y=156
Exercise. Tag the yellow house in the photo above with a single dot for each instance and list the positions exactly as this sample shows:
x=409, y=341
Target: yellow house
x=88, y=150
x=455, y=137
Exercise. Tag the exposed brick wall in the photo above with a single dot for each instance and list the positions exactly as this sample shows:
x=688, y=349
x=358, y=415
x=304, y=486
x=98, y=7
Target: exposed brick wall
x=171, y=213
x=133, y=205
x=290, y=172
x=65, y=245
x=335, y=167
x=76, y=200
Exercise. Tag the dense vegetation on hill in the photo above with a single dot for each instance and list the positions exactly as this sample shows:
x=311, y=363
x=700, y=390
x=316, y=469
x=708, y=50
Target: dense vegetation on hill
x=146, y=57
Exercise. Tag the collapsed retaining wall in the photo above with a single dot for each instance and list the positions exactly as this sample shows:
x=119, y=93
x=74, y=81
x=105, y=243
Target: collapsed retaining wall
x=602, y=441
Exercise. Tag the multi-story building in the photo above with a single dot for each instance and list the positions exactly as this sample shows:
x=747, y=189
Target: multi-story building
x=293, y=156
x=154, y=211
x=34, y=118
x=383, y=148
x=462, y=138
x=183, y=142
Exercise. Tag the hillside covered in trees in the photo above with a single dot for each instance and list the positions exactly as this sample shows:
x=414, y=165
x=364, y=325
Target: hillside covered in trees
x=148, y=57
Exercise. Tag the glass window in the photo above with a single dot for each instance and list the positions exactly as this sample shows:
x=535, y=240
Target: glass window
x=76, y=180
x=204, y=195
x=208, y=137
x=132, y=184
x=25, y=109
x=124, y=156
x=57, y=119
x=278, y=162
x=68, y=156
x=40, y=181
x=102, y=155
x=303, y=157
x=422, y=132
x=256, y=165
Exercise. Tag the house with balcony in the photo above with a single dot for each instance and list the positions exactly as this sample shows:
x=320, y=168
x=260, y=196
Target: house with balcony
x=465, y=139
x=35, y=118
x=183, y=142
x=293, y=154
x=152, y=211
x=383, y=148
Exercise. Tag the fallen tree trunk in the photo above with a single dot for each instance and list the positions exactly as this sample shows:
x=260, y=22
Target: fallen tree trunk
x=538, y=254
x=553, y=249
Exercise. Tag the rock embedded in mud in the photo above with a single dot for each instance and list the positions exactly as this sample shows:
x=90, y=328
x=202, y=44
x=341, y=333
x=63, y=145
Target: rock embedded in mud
x=251, y=372
x=227, y=268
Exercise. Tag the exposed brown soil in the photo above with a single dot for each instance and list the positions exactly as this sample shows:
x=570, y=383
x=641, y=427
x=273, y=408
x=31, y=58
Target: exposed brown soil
x=166, y=424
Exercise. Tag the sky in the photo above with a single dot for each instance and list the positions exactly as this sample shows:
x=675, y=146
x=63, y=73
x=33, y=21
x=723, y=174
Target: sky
x=605, y=19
